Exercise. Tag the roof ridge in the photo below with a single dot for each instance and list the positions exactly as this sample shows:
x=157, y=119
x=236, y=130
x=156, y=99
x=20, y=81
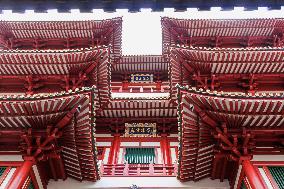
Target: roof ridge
x=54, y=50
x=47, y=95
x=217, y=19
x=141, y=55
x=230, y=95
x=117, y=18
x=225, y=49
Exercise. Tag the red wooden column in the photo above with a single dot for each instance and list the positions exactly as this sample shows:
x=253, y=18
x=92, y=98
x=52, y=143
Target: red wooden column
x=254, y=179
x=166, y=151
x=114, y=150
x=21, y=175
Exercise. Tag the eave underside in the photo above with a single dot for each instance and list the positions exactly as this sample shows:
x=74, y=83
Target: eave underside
x=233, y=70
x=29, y=120
x=222, y=33
x=62, y=35
x=222, y=129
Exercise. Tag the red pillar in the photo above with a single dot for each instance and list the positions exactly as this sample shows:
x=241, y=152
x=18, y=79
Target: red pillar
x=166, y=150
x=125, y=85
x=21, y=175
x=158, y=85
x=254, y=179
x=114, y=150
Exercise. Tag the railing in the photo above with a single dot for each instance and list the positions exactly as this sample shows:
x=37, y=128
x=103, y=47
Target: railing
x=138, y=170
x=140, y=87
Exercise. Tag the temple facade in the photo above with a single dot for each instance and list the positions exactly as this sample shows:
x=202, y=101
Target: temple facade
x=206, y=113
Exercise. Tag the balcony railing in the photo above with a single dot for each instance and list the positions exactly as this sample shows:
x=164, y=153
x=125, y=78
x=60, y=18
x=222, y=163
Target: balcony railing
x=138, y=170
x=140, y=87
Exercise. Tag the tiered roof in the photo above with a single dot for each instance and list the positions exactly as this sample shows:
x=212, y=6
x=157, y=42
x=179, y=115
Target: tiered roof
x=231, y=60
x=209, y=121
x=50, y=62
x=227, y=66
x=67, y=69
x=139, y=108
x=44, y=112
x=72, y=34
x=142, y=63
x=209, y=32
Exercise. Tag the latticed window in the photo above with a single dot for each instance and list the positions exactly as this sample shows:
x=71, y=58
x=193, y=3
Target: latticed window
x=278, y=174
x=140, y=155
x=243, y=186
x=31, y=185
x=2, y=169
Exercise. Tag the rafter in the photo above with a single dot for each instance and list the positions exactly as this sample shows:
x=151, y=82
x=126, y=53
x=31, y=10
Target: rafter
x=85, y=75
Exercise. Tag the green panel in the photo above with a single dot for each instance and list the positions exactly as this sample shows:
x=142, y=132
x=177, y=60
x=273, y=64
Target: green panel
x=140, y=155
x=31, y=185
x=2, y=169
x=278, y=175
x=243, y=186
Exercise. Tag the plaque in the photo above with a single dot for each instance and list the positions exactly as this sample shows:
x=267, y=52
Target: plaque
x=140, y=129
x=141, y=78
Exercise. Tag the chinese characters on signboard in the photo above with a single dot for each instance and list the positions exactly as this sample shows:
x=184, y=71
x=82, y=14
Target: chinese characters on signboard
x=140, y=129
x=141, y=78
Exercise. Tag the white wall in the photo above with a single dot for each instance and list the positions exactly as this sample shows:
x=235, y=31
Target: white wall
x=104, y=144
x=268, y=158
x=129, y=144
x=11, y=158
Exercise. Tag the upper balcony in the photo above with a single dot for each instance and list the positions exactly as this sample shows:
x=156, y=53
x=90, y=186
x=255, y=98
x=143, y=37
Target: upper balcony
x=140, y=75
x=136, y=170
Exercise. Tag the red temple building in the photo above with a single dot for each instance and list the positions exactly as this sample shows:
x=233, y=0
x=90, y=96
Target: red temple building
x=207, y=113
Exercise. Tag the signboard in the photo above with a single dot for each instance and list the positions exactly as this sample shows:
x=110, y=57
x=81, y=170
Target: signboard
x=140, y=129
x=141, y=78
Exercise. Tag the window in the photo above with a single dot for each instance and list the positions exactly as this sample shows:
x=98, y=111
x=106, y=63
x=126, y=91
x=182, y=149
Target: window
x=277, y=173
x=140, y=155
x=2, y=169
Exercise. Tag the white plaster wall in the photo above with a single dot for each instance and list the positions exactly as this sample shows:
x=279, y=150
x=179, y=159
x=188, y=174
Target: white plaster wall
x=173, y=155
x=268, y=158
x=174, y=135
x=11, y=158
x=106, y=155
x=120, y=155
x=102, y=135
x=160, y=156
x=126, y=144
x=174, y=143
x=142, y=182
x=103, y=144
x=150, y=144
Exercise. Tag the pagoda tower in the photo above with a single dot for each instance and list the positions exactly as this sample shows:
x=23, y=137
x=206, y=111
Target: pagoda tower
x=206, y=113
